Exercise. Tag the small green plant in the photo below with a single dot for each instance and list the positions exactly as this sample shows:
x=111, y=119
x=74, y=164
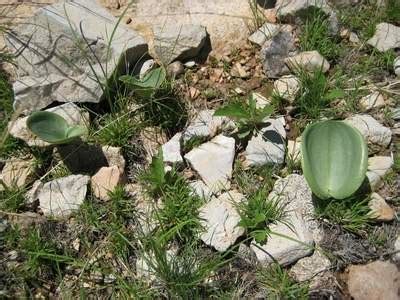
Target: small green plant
x=279, y=285
x=334, y=159
x=11, y=198
x=52, y=128
x=352, y=213
x=258, y=212
x=147, y=86
x=248, y=117
x=316, y=36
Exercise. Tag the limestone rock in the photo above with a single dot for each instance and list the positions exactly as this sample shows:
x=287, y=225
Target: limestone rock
x=294, y=193
x=309, y=60
x=17, y=172
x=275, y=51
x=105, y=181
x=50, y=61
x=296, y=244
x=261, y=101
x=114, y=157
x=146, y=67
x=172, y=150
x=396, y=66
x=378, y=167
x=376, y=134
x=386, y=37
x=268, y=146
x=69, y=111
x=173, y=42
x=374, y=100
x=287, y=87
x=226, y=21
x=213, y=161
x=60, y=197
x=201, y=189
x=152, y=138
x=175, y=69
x=380, y=210
x=376, y=280
x=309, y=267
x=264, y=33
x=204, y=125
x=220, y=220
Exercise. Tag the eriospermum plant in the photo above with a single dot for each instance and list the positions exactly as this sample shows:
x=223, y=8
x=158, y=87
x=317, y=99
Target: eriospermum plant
x=334, y=159
x=52, y=128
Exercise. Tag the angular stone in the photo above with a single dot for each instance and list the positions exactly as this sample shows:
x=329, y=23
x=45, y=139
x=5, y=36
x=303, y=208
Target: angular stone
x=396, y=66
x=105, y=181
x=220, y=220
x=386, y=37
x=374, y=100
x=204, y=125
x=309, y=267
x=114, y=157
x=201, y=189
x=53, y=51
x=172, y=42
x=226, y=21
x=172, y=150
x=297, y=240
x=261, y=101
x=69, y=111
x=378, y=167
x=17, y=173
x=264, y=33
x=293, y=243
x=309, y=61
x=275, y=51
x=268, y=146
x=376, y=134
x=380, y=210
x=213, y=161
x=287, y=87
x=376, y=280
x=61, y=197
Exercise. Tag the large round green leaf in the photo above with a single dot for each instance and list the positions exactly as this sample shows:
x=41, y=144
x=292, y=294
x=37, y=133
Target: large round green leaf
x=334, y=159
x=52, y=128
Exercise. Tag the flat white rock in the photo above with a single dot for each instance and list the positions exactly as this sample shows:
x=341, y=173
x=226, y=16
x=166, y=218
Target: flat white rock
x=309, y=61
x=61, y=197
x=267, y=146
x=375, y=133
x=213, y=161
x=220, y=220
x=287, y=87
x=386, y=37
x=378, y=167
x=172, y=150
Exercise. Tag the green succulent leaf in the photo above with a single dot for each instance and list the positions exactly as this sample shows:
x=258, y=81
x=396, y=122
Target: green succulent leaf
x=149, y=84
x=334, y=159
x=52, y=128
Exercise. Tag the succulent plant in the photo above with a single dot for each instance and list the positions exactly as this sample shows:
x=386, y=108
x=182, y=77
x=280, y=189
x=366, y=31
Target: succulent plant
x=150, y=83
x=334, y=159
x=52, y=128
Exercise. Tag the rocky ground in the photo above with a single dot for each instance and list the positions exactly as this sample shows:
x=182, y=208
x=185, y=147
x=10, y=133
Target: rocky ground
x=164, y=199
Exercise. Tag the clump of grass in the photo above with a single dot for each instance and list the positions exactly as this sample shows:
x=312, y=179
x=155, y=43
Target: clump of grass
x=193, y=142
x=279, y=285
x=315, y=35
x=12, y=199
x=183, y=275
x=179, y=204
x=352, y=213
x=257, y=212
